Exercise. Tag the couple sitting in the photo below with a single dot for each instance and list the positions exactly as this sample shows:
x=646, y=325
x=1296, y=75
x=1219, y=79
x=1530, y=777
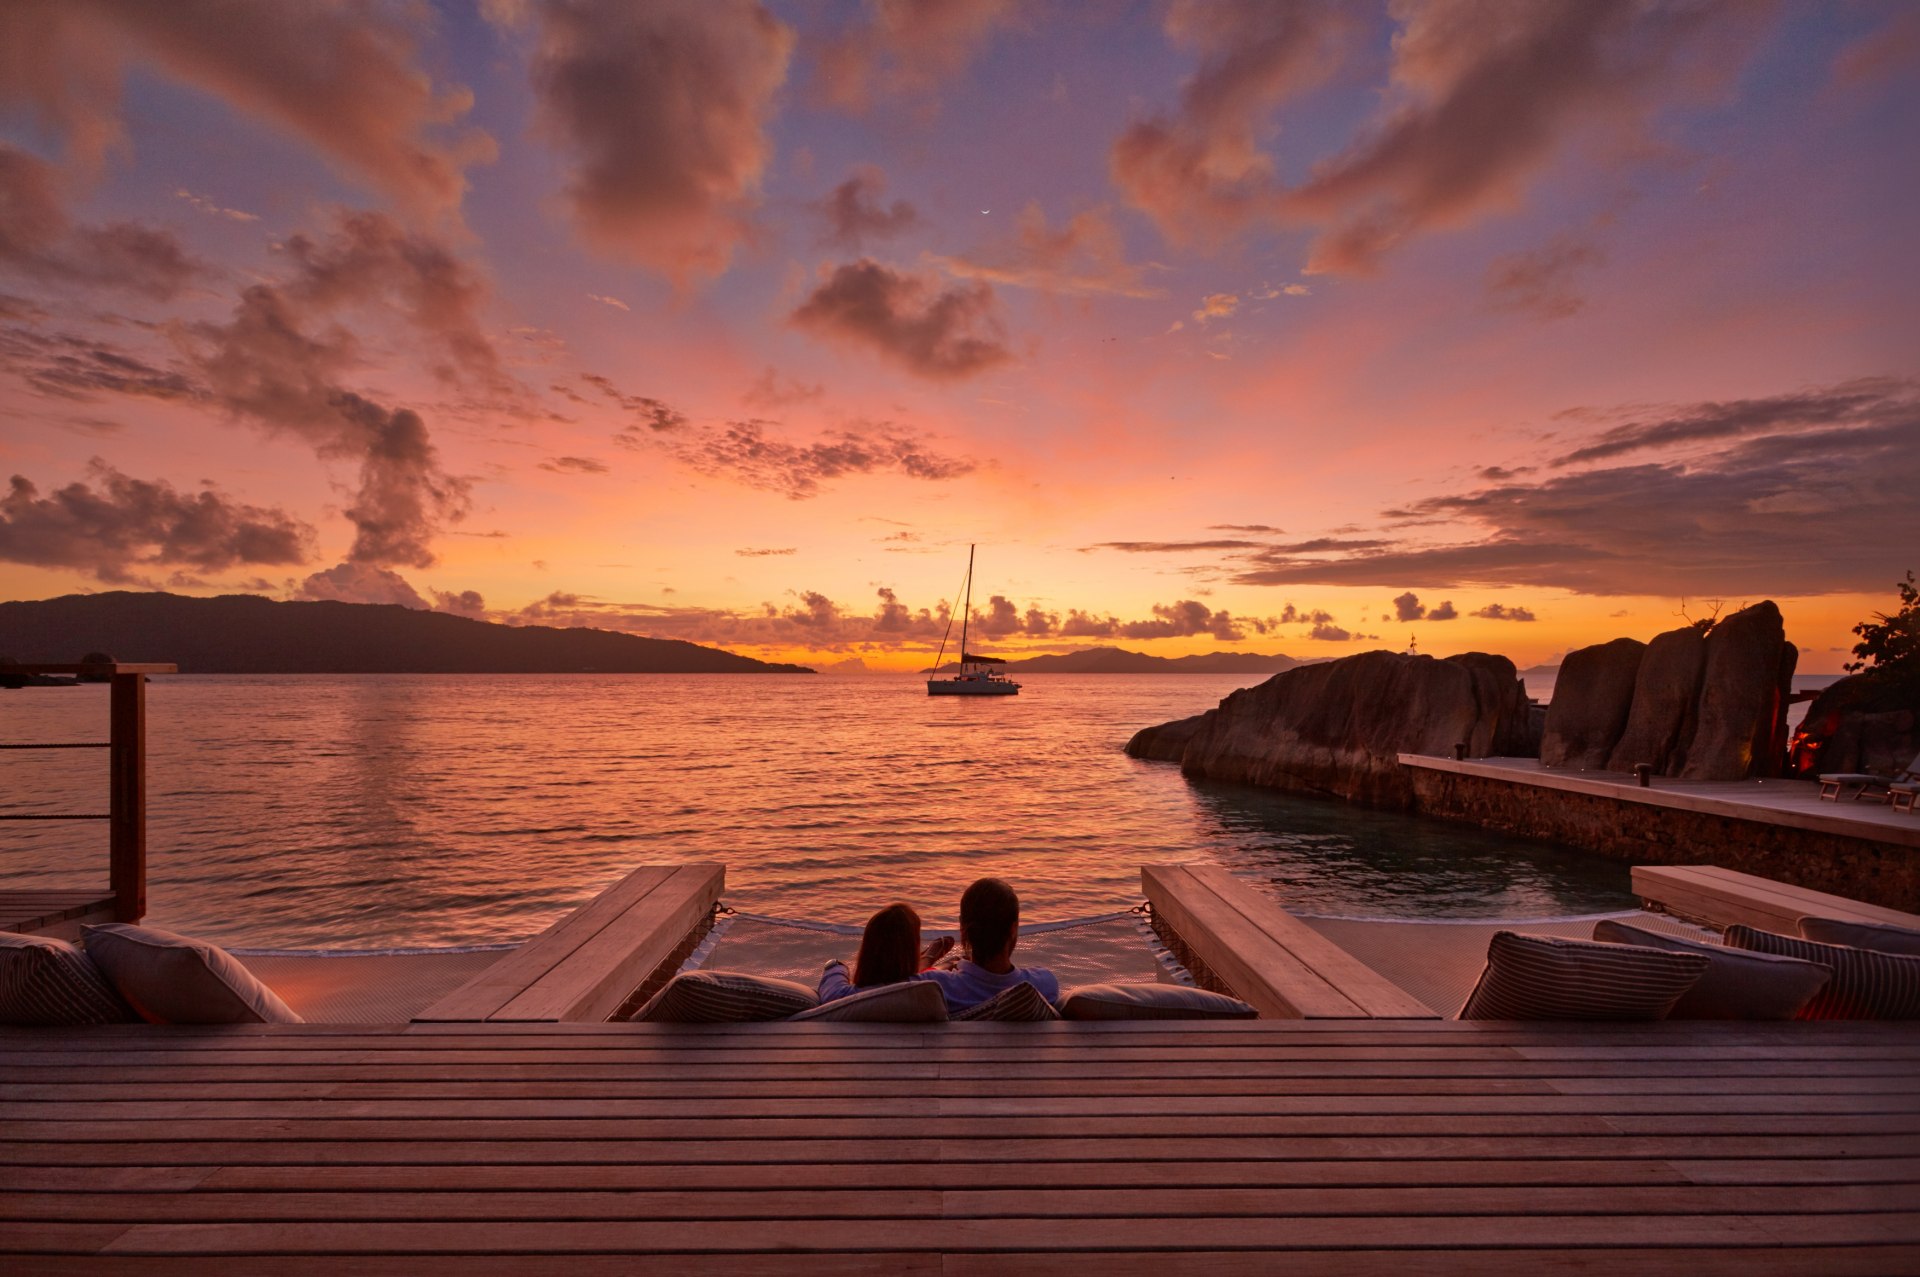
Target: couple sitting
x=989, y=928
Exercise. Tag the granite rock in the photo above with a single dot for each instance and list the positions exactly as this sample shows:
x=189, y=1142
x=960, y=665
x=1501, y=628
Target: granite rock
x=1742, y=705
x=1592, y=697
x=1664, y=693
x=1337, y=728
x=1863, y=723
x=1165, y=743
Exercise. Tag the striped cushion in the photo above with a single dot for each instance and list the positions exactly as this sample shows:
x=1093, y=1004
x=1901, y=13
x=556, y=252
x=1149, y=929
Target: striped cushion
x=1151, y=1002
x=1738, y=985
x=44, y=981
x=175, y=979
x=909, y=1002
x=1866, y=985
x=1861, y=935
x=1546, y=978
x=1019, y=1002
x=726, y=997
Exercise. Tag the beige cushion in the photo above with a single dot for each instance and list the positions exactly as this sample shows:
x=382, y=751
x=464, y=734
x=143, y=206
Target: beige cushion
x=1861, y=935
x=1546, y=978
x=1866, y=984
x=1738, y=985
x=1018, y=1002
x=45, y=982
x=909, y=1002
x=174, y=979
x=1151, y=1002
x=726, y=997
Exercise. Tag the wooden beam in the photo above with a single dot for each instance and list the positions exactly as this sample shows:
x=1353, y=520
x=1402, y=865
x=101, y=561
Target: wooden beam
x=1268, y=957
x=1720, y=897
x=102, y=667
x=127, y=810
x=584, y=965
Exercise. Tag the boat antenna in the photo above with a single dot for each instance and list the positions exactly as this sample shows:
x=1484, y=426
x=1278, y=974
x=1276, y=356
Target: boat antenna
x=966, y=609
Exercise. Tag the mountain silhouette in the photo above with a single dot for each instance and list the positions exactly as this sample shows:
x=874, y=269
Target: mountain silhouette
x=1117, y=660
x=248, y=634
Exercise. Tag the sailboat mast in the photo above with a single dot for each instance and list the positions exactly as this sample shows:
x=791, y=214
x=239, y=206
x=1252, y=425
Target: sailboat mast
x=966, y=609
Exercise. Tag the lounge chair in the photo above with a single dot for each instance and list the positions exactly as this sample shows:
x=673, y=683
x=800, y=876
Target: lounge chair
x=1868, y=785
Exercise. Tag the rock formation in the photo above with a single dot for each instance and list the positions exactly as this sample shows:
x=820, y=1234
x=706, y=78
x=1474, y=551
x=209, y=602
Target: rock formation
x=1591, y=700
x=1864, y=723
x=1664, y=695
x=1740, y=728
x=1336, y=728
x=1699, y=703
x=1165, y=743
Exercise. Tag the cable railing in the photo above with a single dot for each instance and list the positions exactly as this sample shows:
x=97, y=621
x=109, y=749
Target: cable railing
x=126, y=746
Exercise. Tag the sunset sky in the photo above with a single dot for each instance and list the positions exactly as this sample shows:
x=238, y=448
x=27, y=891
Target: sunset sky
x=1260, y=326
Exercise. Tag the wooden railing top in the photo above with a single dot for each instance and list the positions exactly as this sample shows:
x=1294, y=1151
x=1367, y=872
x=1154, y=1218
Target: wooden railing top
x=96, y=667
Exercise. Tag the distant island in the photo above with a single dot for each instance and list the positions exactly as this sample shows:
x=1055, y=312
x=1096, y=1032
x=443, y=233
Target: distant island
x=1117, y=660
x=249, y=634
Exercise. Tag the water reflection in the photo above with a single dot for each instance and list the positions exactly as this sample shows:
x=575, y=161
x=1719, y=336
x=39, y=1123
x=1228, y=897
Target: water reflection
x=399, y=809
x=1325, y=856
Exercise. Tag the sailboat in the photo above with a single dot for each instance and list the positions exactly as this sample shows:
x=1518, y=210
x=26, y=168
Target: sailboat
x=976, y=676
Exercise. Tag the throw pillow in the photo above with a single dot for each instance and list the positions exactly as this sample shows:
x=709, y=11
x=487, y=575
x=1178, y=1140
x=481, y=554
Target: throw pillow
x=1546, y=978
x=174, y=979
x=726, y=997
x=1866, y=984
x=1151, y=1002
x=1862, y=935
x=47, y=982
x=1738, y=985
x=908, y=1002
x=1018, y=1002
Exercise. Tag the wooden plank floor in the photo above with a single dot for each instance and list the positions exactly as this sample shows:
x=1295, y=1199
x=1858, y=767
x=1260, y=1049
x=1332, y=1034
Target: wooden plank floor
x=53, y=911
x=1351, y=1146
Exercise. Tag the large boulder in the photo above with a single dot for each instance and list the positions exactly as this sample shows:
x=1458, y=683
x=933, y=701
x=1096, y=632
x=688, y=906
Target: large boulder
x=1863, y=723
x=1664, y=693
x=1743, y=698
x=1338, y=727
x=1592, y=696
x=1165, y=743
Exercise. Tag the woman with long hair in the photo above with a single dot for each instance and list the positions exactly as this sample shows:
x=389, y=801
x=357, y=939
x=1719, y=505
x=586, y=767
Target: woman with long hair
x=889, y=953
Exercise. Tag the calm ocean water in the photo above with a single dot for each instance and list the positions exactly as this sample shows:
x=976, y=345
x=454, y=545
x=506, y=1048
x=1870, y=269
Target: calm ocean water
x=373, y=811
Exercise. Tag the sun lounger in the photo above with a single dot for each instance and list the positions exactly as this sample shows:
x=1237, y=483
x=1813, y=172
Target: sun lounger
x=1868, y=785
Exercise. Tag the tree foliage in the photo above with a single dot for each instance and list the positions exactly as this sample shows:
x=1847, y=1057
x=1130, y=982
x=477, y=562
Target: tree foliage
x=1891, y=641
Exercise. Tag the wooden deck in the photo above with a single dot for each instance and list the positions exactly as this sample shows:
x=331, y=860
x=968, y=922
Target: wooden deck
x=1791, y=804
x=1367, y=1146
x=1718, y=898
x=588, y=963
x=1264, y=954
x=55, y=912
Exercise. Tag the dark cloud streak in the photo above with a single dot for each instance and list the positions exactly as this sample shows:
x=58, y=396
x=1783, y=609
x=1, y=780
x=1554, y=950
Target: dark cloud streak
x=109, y=523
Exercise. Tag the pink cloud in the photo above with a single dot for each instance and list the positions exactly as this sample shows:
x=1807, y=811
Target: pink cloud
x=340, y=77
x=939, y=334
x=908, y=47
x=662, y=111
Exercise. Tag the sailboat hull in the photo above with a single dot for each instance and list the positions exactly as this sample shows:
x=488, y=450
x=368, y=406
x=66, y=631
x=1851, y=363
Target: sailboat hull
x=972, y=687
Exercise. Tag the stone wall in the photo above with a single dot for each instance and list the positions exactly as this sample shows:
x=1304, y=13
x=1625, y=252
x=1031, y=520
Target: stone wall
x=1861, y=869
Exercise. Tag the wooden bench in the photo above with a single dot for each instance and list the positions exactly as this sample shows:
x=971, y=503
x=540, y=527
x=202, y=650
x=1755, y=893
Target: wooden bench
x=584, y=966
x=1718, y=898
x=1268, y=957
